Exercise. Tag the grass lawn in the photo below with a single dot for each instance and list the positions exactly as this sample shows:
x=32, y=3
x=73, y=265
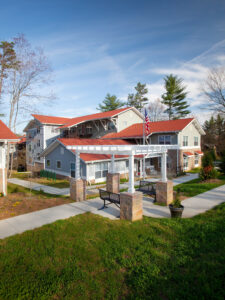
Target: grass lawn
x=58, y=183
x=195, y=170
x=90, y=257
x=21, y=201
x=195, y=187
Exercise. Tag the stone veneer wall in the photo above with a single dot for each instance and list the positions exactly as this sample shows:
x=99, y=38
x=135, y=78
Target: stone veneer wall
x=191, y=159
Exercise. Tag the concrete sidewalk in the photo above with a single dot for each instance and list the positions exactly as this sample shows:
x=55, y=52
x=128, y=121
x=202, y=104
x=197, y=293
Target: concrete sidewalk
x=66, y=191
x=193, y=206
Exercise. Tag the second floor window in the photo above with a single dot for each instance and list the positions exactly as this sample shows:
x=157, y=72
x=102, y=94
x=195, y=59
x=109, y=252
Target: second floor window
x=185, y=141
x=164, y=139
x=196, y=141
x=89, y=130
x=38, y=143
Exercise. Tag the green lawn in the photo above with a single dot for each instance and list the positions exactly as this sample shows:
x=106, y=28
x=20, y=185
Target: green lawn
x=195, y=187
x=90, y=257
x=14, y=188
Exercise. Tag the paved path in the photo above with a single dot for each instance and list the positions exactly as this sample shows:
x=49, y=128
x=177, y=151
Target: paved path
x=65, y=191
x=193, y=206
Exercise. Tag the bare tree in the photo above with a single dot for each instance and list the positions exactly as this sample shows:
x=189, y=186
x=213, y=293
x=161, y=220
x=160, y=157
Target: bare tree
x=214, y=89
x=156, y=111
x=26, y=81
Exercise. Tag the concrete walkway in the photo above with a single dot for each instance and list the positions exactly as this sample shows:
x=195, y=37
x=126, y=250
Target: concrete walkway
x=66, y=191
x=193, y=206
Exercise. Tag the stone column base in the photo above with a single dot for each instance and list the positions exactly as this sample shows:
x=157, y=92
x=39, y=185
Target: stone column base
x=113, y=182
x=164, y=192
x=131, y=206
x=3, y=185
x=78, y=190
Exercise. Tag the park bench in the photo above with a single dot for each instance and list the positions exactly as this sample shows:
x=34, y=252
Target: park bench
x=148, y=187
x=110, y=197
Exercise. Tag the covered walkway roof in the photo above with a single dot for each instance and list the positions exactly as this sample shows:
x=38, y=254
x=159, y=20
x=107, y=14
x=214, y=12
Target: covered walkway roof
x=131, y=150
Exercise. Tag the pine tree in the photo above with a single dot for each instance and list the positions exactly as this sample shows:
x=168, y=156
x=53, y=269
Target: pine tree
x=111, y=102
x=174, y=97
x=7, y=61
x=139, y=99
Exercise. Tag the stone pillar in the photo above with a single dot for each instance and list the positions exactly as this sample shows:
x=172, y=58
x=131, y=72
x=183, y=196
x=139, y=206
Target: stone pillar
x=78, y=189
x=113, y=182
x=131, y=206
x=3, y=181
x=164, y=192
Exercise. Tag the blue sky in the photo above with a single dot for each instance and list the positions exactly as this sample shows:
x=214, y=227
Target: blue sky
x=98, y=47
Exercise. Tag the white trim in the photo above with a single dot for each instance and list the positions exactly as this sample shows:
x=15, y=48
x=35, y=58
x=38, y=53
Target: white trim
x=188, y=147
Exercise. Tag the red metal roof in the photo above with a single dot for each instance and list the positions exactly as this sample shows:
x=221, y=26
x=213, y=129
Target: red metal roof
x=188, y=153
x=90, y=156
x=51, y=119
x=6, y=133
x=102, y=115
x=77, y=141
x=136, y=130
x=199, y=152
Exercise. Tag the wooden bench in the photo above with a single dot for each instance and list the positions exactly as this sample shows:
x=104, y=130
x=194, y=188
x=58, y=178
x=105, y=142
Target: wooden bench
x=110, y=197
x=148, y=187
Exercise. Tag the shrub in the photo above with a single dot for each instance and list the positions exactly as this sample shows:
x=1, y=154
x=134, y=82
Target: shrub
x=207, y=160
x=222, y=164
x=176, y=202
x=207, y=171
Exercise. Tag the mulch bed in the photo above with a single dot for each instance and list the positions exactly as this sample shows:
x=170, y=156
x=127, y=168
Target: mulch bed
x=21, y=203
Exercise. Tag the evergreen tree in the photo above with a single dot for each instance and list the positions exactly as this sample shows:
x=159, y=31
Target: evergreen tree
x=215, y=134
x=139, y=99
x=7, y=61
x=111, y=102
x=174, y=97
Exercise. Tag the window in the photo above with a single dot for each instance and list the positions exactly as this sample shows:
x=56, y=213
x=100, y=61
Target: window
x=185, y=141
x=72, y=169
x=61, y=150
x=196, y=141
x=58, y=164
x=196, y=159
x=185, y=162
x=38, y=130
x=38, y=143
x=48, y=163
x=164, y=139
x=167, y=140
x=127, y=164
x=101, y=170
x=89, y=129
x=161, y=140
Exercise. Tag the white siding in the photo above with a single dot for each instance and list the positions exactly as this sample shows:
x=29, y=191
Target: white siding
x=127, y=119
x=191, y=131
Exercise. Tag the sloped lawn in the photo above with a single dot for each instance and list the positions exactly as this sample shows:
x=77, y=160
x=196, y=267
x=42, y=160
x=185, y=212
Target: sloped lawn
x=196, y=186
x=89, y=257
